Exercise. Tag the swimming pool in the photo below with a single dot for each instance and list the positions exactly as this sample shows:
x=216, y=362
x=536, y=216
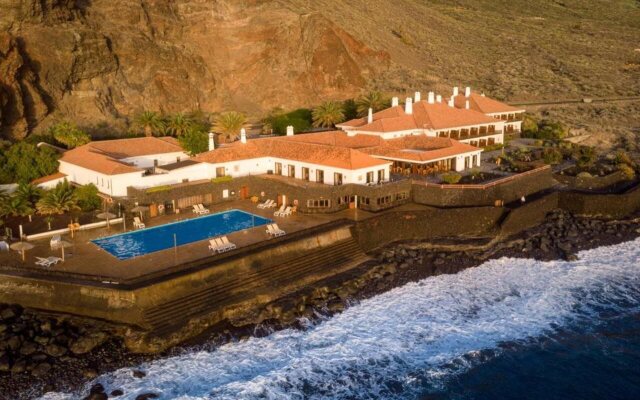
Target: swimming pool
x=149, y=240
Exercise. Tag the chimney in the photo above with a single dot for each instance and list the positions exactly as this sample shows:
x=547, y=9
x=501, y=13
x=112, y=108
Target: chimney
x=466, y=104
x=290, y=130
x=417, y=96
x=212, y=144
x=455, y=91
x=395, y=102
x=451, y=102
x=370, y=116
x=243, y=135
x=438, y=99
x=482, y=94
x=408, y=106
x=467, y=91
x=431, y=98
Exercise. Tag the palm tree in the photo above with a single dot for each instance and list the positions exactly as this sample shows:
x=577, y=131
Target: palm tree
x=150, y=122
x=328, y=114
x=228, y=125
x=179, y=124
x=17, y=206
x=374, y=99
x=57, y=201
x=30, y=194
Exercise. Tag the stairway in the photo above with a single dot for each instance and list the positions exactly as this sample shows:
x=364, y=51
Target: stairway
x=169, y=316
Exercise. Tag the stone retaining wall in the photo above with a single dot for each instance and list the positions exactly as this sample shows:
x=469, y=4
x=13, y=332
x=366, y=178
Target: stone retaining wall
x=608, y=205
x=595, y=182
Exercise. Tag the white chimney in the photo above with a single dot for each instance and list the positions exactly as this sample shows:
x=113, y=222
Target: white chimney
x=431, y=98
x=455, y=91
x=482, y=94
x=417, y=96
x=290, y=130
x=466, y=104
x=467, y=91
x=212, y=144
x=370, y=116
x=438, y=99
x=408, y=106
x=395, y=102
x=451, y=102
x=243, y=135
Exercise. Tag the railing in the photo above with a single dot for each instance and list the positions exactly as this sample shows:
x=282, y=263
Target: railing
x=486, y=185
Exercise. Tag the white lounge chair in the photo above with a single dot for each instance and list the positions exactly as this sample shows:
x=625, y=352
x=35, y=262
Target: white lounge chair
x=4, y=246
x=273, y=204
x=230, y=246
x=137, y=223
x=266, y=204
x=273, y=230
x=55, y=242
x=286, y=212
x=203, y=210
x=48, y=262
x=213, y=246
x=195, y=210
x=281, y=209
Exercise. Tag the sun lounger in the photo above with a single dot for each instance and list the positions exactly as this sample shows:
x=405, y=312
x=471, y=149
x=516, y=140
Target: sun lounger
x=47, y=262
x=281, y=209
x=229, y=245
x=273, y=230
x=273, y=204
x=213, y=246
x=286, y=212
x=195, y=210
x=137, y=223
x=266, y=204
x=202, y=209
x=55, y=242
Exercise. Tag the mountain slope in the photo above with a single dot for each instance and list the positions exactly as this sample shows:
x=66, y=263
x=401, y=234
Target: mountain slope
x=103, y=60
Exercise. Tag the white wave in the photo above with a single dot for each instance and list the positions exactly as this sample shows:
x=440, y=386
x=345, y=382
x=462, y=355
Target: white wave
x=387, y=346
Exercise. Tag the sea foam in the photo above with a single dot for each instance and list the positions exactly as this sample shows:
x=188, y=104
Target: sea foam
x=392, y=345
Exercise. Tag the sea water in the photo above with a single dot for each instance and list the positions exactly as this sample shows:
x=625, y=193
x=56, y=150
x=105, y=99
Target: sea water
x=508, y=329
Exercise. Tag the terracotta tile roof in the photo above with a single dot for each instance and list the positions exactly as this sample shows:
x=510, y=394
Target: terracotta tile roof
x=484, y=104
x=419, y=148
x=312, y=150
x=337, y=138
x=104, y=156
x=425, y=116
x=48, y=178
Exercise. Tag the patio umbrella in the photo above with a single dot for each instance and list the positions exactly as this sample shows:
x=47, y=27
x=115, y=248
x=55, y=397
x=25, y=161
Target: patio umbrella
x=106, y=215
x=64, y=244
x=22, y=247
x=139, y=209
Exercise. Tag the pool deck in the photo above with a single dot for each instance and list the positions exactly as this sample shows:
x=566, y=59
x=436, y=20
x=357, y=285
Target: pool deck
x=86, y=258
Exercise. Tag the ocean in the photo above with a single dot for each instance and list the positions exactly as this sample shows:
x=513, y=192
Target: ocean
x=508, y=329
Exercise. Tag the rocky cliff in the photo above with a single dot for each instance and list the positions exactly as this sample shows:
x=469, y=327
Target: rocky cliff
x=100, y=61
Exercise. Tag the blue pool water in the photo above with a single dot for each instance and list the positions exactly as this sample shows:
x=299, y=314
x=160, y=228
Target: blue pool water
x=145, y=241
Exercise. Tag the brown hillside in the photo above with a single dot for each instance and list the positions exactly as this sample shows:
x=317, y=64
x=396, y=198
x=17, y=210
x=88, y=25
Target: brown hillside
x=102, y=60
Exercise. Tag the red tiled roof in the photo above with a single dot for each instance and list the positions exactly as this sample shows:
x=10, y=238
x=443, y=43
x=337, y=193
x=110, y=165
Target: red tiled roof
x=104, y=156
x=484, y=104
x=294, y=148
x=48, y=178
x=419, y=148
x=424, y=116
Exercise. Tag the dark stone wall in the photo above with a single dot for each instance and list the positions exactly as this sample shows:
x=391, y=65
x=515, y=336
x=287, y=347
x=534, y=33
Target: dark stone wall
x=509, y=191
x=529, y=214
x=596, y=182
x=609, y=205
x=426, y=224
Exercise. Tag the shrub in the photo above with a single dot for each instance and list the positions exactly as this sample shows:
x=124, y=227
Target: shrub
x=87, y=197
x=552, y=156
x=529, y=126
x=300, y=119
x=451, y=178
x=584, y=175
x=69, y=135
x=194, y=141
x=222, y=179
x=24, y=162
x=584, y=156
x=628, y=172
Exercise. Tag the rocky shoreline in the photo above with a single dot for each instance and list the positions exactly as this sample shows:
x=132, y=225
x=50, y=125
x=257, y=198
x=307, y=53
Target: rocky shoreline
x=43, y=352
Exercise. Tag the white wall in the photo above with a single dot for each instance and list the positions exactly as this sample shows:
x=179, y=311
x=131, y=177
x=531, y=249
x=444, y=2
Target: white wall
x=163, y=159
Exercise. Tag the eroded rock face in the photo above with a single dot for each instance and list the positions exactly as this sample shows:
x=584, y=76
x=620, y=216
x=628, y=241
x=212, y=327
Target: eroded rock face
x=102, y=60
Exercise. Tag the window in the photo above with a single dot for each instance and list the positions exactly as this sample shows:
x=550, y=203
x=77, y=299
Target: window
x=337, y=178
x=343, y=200
x=278, y=168
x=319, y=176
x=219, y=172
x=380, y=175
x=236, y=168
x=402, y=196
x=324, y=203
x=292, y=171
x=365, y=200
x=305, y=174
x=370, y=177
x=383, y=200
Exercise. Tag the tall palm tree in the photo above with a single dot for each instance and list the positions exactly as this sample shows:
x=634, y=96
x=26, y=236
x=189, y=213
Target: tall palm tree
x=150, y=122
x=58, y=200
x=327, y=114
x=29, y=193
x=179, y=124
x=228, y=125
x=374, y=99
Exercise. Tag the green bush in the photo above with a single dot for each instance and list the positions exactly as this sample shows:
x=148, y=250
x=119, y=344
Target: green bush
x=194, y=141
x=69, y=135
x=24, y=162
x=584, y=156
x=87, y=197
x=552, y=156
x=451, y=178
x=222, y=179
x=301, y=120
x=543, y=130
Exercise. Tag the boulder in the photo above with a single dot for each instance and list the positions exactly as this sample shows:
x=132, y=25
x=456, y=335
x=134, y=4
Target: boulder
x=41, y=369
x=28, y=348
x=147, y=396
x=117, y=393
x=87, y=343
x=55, y=350
x=5, y=365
